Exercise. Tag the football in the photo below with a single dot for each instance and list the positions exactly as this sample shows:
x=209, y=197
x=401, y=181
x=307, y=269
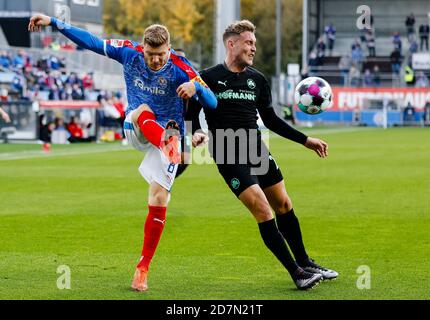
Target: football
x=313, y=95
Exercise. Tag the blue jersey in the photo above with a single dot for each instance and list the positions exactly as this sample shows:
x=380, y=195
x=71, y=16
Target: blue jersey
x=145, y=86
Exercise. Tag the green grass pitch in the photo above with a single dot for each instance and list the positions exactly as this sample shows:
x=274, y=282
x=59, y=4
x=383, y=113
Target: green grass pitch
x=368, y=204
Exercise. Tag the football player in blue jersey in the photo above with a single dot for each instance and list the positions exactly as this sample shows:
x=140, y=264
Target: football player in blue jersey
x=158, y=84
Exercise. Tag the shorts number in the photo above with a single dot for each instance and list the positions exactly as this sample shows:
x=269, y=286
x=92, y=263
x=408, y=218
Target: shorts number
x=171, y=168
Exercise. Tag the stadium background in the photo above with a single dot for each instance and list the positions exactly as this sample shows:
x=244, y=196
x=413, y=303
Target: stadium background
x=370, y=198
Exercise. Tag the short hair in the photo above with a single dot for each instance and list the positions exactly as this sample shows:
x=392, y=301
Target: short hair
x=156, y=35
x=237, y=28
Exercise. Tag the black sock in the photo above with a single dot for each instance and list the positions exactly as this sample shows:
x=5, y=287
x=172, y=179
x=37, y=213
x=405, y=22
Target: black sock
x=181, y=169
x=275, y=242
x=289, y=226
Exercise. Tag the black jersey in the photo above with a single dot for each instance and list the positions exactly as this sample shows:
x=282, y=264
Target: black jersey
x=240, y=96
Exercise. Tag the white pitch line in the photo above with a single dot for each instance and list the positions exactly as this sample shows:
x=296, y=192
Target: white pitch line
x=22, y=155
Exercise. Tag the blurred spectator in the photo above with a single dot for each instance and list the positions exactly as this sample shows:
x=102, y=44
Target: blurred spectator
x=60, y=134
x=421, y=81
x=5, y=60
x=330, y=32
x=413, y=45
x=88, y=81
x=4, y=115
x=76, y=132
x=354, y=76
x=410, y=24
x=59, y=124
x=305, y=73
x=77, y=93
x=46, y=132
x=426, y=115
x=409, y=114
x=370, y=40
x=376, y=76
x=357, y=57
x=320, y=51
x=397, y=41
x=367, y=78
x=357, y=43
x=119, y=106
x=108, y=108
x=344, y=67
x=409, y=76
x=396, y=60
x=18, y=84
x=288, y=112
x=424, y=32
x=313, y=58
x=4, y=95
x=19, y=60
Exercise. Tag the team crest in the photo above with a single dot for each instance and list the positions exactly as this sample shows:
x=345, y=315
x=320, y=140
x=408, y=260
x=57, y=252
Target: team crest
x=235, y=183
x=162, y=81
x=251, y=84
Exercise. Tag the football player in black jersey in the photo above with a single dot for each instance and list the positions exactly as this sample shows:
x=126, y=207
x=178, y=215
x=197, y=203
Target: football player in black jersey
x=242, y=92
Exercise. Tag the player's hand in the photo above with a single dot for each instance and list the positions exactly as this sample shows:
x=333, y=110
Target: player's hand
x=319, y=146
x=5, y=117
x=38, y=21
x=186, y=90
x=200, y=139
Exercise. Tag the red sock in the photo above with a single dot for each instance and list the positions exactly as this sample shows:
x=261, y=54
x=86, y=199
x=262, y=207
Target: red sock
x=154, y=226
x=150, y=129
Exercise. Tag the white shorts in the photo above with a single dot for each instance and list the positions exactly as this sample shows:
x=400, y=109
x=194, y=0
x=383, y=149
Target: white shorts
x=155, y=166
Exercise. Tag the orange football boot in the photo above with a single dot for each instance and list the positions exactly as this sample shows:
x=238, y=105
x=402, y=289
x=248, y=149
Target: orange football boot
x=140, y=280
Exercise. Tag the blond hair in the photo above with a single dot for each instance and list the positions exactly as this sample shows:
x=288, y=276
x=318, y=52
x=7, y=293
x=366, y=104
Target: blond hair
x=156, y=35
x=238, y=27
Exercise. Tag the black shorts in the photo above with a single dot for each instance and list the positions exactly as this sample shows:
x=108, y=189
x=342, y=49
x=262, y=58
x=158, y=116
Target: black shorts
x=240, y=177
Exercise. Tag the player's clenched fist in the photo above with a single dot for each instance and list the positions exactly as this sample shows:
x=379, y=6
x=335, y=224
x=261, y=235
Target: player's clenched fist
x=186, y=90
x=200, y=139
x=38, y=21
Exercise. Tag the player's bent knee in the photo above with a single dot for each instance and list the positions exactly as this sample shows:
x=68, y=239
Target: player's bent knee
x=139, y=111
x=158, y=196
x=284, y=206
x=262, y=212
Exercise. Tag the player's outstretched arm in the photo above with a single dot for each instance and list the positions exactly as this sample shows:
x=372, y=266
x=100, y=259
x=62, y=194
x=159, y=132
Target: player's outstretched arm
x=279, y=126
x=81, y=37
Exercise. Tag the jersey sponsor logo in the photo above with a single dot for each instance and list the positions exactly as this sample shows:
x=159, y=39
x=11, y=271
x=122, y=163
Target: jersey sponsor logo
x=231, y=95
x=152, y=90
x=251, y=84
x=235, y=183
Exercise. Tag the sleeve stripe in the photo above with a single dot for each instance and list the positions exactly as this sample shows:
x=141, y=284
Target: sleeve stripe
x=104, y=47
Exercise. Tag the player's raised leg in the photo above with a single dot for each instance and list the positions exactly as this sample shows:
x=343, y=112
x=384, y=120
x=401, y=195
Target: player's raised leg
x=255, y=200
x=167, y=139
x=289, y=226
x=154, y=225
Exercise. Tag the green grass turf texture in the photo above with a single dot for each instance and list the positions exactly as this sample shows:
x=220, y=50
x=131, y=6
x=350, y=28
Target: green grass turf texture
x=367, y=204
